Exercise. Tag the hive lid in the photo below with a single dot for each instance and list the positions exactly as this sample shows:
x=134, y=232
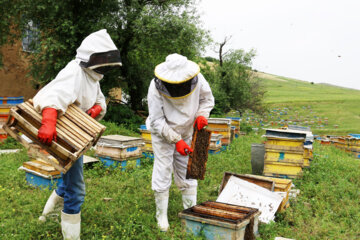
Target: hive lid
x=215, y=137
x=120, y=141
x=285, y=134
x=219, y=121
x=243, y=193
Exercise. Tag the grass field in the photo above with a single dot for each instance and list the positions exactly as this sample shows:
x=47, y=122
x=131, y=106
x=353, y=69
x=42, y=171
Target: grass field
x=328, y=206
x=339, y=105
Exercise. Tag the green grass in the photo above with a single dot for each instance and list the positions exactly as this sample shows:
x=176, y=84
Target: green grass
x=328, y=206
x=339, y=105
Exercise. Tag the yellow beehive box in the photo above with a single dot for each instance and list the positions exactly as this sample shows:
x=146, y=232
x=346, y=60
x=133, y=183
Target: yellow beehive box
x=225, y=134
x=285, y=145
x=282, y=170
x=296, y=159
x=219, y=123
x=145, y=134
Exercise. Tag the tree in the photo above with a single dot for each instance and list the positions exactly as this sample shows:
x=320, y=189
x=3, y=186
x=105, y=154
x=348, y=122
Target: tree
x=145, y=31
x=232, y=82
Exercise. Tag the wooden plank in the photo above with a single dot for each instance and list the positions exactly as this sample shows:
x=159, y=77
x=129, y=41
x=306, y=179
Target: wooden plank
x=61, y=135
x=218, y=212
x=41, y=167
x=230, y=207
x=197, y=160
x=95, y=123
x=85, y=137
x=71, y=133
x=75, y=116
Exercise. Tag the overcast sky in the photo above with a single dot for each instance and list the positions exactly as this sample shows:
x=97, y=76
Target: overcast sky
x=311, y=40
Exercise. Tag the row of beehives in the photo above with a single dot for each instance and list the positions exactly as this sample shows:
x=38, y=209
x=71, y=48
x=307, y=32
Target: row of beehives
x=350, y=143
x=224, y=130
x=5, y=104
x=287, y=152
x=112, y=150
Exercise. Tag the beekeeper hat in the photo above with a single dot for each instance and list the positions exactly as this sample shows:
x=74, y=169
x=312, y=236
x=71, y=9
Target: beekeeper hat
x=176, y=69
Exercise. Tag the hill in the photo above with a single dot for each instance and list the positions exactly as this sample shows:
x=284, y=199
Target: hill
x=327, y=109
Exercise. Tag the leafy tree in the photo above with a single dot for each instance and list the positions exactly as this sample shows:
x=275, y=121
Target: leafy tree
x=145, y=31
x=233, y=84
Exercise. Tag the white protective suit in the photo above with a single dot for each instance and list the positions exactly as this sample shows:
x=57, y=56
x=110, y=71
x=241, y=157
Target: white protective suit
x=169, y=121
x=75, y=84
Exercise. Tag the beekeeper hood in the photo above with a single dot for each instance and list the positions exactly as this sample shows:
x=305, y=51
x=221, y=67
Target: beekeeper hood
x=98, y=52
x=177, y=76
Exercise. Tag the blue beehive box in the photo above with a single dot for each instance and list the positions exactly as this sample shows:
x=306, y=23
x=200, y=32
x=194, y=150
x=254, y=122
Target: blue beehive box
x=11, y=100
x=41, y=174
x=124, y=164
x=215, y=151
x=42, y=181
x=148, y=155
x=201, y=221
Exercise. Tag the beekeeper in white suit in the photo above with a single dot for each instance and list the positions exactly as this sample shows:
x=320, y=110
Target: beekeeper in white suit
x=77, y=83
x=179, y=98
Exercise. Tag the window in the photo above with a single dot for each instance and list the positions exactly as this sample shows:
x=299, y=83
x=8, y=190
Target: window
x=31, y=37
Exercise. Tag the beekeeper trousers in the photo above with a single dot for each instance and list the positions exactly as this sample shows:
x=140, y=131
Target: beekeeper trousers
x=167, y=161
x=72, y=188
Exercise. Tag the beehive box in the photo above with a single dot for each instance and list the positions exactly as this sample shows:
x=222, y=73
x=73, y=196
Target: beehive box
x=221, y=221
x=146, y=136
x=11, y=100
x=4, y=113
x=235, y=122
x=76, y=133
x=215, y=141
x=41, y=174
x=3, y=134
x=119, y=146
x=265, y=183
x=282, y=170
x=124, y=164
x=274, y=156
x=284, y=153
x=281, y=185
x=221, y=126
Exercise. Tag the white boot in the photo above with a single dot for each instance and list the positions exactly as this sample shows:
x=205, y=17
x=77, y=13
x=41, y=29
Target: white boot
x=161, y=201
x=54, y=203
x=70, y=226
x=189, y=197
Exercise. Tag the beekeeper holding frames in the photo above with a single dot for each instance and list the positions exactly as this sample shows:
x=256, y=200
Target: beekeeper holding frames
x=77, y=83
x=179, y=98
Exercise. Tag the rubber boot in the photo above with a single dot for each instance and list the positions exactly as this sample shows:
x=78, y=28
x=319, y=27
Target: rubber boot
x=70, y=226
x=161, y=201
x=54, y=203
x=189, y=197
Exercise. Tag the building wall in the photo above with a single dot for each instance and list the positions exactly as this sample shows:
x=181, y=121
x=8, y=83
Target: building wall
x=13, y=80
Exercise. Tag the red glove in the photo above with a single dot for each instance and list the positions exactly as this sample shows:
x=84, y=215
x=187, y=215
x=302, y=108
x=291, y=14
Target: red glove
x=94, y=111
x=200, y=122
x=47, y=131
x=183, y=148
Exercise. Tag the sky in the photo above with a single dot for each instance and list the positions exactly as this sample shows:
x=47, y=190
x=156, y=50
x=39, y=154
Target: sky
x=311, y=40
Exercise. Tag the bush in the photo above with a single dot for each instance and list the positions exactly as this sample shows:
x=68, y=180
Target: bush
x=122, y=115
x=244, y=127
x=10, y=143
